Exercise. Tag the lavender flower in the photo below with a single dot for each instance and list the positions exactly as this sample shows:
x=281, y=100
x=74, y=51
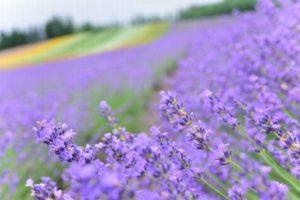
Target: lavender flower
x=176, y=155
x=190, y=158
x=236, y=193
x=47, y=189
x=222, y=154
x=174, y=110
x=219, y=107
x=105, y=111
x=59, y=140
x=199, y=136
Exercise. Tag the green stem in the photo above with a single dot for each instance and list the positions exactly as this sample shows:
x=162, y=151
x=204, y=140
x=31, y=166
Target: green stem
x=214, y=189
x=235, y=166
x=244, y=134
x=280, y=172
x=251, y=193
x=217, y=180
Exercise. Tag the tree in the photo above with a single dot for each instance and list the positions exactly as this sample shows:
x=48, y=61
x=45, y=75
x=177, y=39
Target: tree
x=59, y=26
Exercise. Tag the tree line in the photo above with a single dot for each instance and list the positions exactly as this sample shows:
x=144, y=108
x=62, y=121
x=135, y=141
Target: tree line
x=58, y=26
x=223, y=7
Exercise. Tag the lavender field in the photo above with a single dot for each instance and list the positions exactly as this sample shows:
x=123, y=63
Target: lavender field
x=202, y=109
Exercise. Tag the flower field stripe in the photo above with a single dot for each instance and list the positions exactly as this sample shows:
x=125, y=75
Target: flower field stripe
x=59, y=51
x=24, y=56
x=148, y=33
x=92, y=41
x=133, y=36
x=83, y=44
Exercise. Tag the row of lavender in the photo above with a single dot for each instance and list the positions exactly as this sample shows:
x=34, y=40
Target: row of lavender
x=233, y=132
x=243, y=84
x=68, y=90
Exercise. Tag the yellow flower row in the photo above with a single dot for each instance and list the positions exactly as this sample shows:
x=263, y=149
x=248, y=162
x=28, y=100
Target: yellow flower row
x=72, y=45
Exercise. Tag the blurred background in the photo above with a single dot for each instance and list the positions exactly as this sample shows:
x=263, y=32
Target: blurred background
x=23, y=22
x=60, y=58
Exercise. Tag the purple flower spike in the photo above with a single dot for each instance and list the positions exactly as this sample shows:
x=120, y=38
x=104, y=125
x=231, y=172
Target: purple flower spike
x=47, y=189
x=105, y=111
x=60, y=141
x=176, y=155
x=236, y=193
x=222, y=154
x=199, y=136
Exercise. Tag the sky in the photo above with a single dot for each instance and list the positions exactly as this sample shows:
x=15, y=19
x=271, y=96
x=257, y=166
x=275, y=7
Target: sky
x=29, y=13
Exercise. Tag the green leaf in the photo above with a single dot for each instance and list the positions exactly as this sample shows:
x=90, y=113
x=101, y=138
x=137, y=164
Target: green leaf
x=280, y=172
